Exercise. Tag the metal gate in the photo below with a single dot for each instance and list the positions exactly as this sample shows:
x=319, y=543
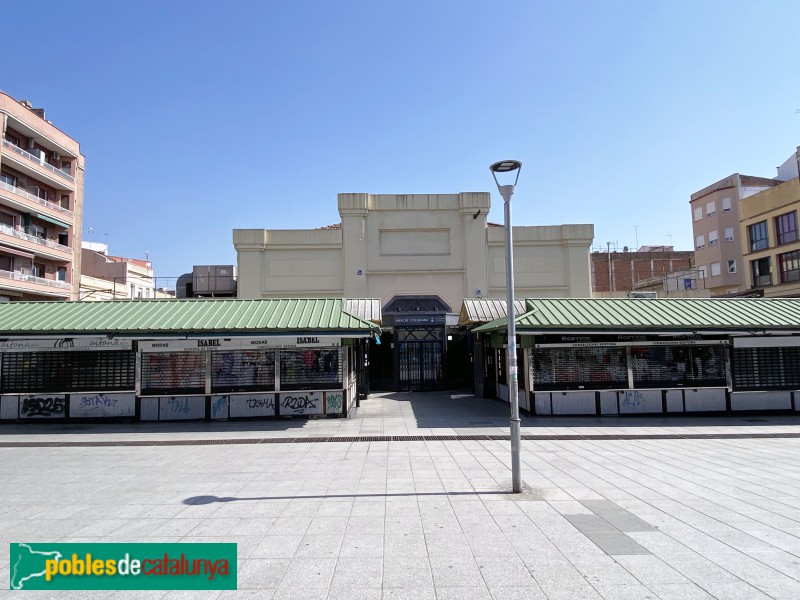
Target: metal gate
x=420, y=359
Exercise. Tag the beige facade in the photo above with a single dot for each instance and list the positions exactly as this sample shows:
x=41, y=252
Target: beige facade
x=769, y=228
x=419, y=245
x=41, y=206
x=715, y=222
x=107, y=277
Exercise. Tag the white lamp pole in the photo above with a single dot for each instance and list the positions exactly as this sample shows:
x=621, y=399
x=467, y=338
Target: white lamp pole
x=506, y=191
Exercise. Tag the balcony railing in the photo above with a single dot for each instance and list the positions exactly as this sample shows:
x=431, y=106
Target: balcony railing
x=34, y=198
x=17, y=276
x=34, y=238
x=39, y=161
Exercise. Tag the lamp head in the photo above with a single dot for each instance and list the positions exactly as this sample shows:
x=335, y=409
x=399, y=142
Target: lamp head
x=506, y=166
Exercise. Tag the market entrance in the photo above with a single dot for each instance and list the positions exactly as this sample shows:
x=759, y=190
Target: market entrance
x=420, y=342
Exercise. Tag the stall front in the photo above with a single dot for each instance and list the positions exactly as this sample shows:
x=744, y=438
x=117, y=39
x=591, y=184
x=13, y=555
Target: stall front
x=634, y=356
x=180, y=359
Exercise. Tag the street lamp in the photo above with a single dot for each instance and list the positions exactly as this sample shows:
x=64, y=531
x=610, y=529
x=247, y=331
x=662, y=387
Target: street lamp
x=506, y=191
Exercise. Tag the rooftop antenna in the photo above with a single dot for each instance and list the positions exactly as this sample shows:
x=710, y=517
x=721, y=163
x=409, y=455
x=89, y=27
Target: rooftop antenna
x=91, y=232
x=147, y=255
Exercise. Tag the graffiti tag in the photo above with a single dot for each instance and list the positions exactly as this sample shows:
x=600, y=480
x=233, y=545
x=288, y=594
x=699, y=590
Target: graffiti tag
x=42, y=407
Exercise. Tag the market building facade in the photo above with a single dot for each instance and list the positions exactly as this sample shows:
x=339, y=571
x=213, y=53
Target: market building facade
x=420, y=255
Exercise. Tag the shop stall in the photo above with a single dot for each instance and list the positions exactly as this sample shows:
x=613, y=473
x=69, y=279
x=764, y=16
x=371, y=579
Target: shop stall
x=177, y=360
x=634, y=356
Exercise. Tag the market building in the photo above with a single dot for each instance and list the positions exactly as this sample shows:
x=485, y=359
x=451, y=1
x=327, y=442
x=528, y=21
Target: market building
x=182, y=359
x=627, y=356
x=420, y=255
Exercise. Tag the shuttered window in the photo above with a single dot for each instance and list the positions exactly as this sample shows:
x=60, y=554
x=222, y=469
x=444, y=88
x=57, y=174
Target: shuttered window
x=242, y=370
x=37, y=372
x=678, y=366
x=173, y=373
x=311, y=369
x=579, y=368
x=766, y=368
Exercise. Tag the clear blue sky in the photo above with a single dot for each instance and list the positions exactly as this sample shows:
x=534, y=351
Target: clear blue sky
x=200, y=117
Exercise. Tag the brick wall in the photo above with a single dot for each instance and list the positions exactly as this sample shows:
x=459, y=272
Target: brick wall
x=629, y=267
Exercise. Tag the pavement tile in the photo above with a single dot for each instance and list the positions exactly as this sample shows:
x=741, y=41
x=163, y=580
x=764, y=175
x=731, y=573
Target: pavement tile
x=276, y=546
x=261, y=573
x=357, y=573
x=407, y=572
x=529, y=592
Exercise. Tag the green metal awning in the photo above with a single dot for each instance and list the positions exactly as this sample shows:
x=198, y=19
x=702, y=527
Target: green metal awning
x=183, y=317
x=663, y=314
x=53, y=221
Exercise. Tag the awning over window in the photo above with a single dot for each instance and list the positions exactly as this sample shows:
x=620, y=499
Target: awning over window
x=15, y=252
x=53, y=221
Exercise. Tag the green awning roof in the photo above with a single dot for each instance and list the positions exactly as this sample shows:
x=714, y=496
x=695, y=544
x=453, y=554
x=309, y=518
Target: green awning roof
x=618, y=314
x=173, y=317
x=52, y=220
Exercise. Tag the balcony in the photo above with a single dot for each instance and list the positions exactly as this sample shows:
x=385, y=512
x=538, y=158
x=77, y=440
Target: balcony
x=34, y=239
x=34, y=198
x=38, y=160
x=50, y=283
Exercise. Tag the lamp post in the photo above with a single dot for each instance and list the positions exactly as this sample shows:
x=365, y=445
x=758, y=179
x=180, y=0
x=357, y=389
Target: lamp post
x=506, y=191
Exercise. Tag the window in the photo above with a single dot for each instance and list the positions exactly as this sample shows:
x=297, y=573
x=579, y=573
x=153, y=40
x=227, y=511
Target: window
x=63, y=239
x=66, y=166
x=713, y=238
x=61, y=273
x=731, y=266
x=698, y=213
x=7, y=220
x=715, y=269
x=701, y=271
x=766, y=368
x=762, y=275
x=6, y=263
x=789, y=265
x=8, y=179
x=12, y=139
x=65, y=201
x=729, y=234
x=38, y=270
x=726, y=205
x=700, y=242
x=711, y=208
x=759, y=239
x=786, y=228
x=40, y=372
x=133, y=291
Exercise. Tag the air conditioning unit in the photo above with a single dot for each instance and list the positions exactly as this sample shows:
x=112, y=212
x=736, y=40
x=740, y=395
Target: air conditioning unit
x=56, y=156
x=643, y=295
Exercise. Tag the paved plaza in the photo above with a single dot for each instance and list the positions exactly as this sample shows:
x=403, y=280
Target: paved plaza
x=380, y=507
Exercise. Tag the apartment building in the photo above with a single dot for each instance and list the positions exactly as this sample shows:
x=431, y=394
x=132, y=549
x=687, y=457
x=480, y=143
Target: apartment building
x=769, y=227
x=41, y=206
x=106, y=277
x=715, y=222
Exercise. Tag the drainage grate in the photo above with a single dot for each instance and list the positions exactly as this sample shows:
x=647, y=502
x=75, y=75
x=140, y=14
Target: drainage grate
x=400, y=438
